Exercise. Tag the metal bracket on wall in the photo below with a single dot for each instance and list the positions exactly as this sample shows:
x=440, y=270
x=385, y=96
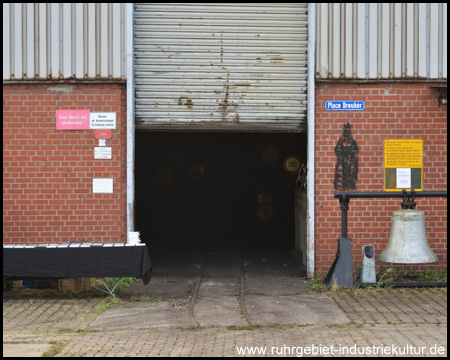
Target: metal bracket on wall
x=408, y=201
x=442, y=96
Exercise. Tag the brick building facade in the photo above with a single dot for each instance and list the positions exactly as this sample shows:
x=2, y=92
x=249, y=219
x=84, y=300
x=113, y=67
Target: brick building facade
x=393, y=111
x=47, y=173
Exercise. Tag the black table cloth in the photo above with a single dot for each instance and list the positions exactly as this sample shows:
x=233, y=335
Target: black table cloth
x=77, y=261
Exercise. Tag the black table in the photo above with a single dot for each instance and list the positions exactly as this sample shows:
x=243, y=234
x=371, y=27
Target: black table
x=62, y=261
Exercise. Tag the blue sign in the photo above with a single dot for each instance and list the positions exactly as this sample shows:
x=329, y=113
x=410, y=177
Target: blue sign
x=344, y=105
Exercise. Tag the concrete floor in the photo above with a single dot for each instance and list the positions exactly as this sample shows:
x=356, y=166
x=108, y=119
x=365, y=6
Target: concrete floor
x=224, y=289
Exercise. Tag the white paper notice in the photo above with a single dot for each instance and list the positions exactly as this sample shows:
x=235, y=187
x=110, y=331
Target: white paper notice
x=403, y=178
x=106, y=120
x=102, y=153
x=102, y=186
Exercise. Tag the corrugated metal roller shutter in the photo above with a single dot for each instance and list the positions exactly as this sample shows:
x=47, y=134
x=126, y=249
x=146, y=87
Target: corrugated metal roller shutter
x=221, y=66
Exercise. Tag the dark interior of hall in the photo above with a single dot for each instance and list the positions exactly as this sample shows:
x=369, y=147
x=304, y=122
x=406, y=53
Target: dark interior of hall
x=216, y=191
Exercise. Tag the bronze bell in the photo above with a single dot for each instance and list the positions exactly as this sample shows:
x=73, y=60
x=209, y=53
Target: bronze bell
x=408, y=242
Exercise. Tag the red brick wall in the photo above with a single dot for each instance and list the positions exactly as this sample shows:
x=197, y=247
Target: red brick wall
x=393, y=111
x=47, y=173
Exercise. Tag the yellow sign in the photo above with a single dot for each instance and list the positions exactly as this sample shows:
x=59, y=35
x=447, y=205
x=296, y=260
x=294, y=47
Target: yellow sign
x=264, y=198
x=403, y=153
x=403, y=164
x=292, y=164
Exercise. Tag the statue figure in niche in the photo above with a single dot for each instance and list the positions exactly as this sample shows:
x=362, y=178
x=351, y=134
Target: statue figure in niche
x=347, y=161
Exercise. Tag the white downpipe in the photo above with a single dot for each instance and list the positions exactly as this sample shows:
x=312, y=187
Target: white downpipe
x=130, y=119
x=311, y=140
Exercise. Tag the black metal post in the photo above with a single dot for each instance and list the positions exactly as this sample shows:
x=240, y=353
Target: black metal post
x=341, y=272
x=344, y=200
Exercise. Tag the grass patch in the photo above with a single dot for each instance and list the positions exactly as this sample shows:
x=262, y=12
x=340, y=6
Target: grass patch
x=108, y=303
x=316, y=284
x=145, y=298
x=246, y=328
x=123, y=283
x=433, y=276
x=55, y=349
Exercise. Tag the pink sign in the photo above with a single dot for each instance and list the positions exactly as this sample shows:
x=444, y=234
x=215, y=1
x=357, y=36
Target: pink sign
x=72, y=119
x=103, y=134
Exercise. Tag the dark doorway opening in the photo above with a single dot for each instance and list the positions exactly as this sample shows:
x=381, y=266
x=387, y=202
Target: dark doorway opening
x=216, y=191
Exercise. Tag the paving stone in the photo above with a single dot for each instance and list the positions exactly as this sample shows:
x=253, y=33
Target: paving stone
x=288, y=323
